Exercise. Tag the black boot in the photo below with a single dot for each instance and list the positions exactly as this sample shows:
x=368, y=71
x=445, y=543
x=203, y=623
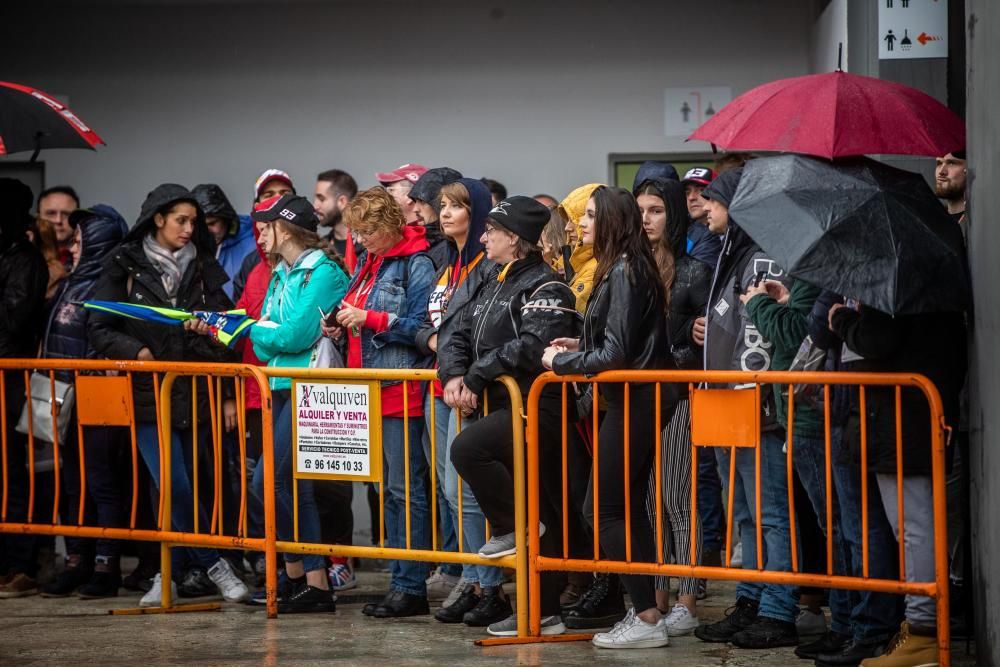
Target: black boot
x=600, y=607
x=766, y=633
x=400, y=604
x=491, y=608
x=75, y=575
x=141, y=578
x=742, y=615
x=465, y=602
x=850, y=655
x=104, y=582
x=831, y=642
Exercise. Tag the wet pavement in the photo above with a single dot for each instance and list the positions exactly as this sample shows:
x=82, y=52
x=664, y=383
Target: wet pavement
x=36, y=631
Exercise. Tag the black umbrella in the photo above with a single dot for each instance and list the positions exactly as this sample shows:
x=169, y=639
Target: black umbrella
x=31, y=120
x=856, y=227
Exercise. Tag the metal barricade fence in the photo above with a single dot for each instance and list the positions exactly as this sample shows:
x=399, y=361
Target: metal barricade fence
x=731, y=419
x=103, y=397
x=316, y=457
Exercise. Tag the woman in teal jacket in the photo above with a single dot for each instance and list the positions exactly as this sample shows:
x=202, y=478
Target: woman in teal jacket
x=303, y=282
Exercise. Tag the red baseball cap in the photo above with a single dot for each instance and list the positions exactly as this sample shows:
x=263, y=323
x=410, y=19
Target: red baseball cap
x=406, y=172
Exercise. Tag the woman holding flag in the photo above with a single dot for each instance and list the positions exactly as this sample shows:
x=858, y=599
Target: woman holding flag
x=167, y=261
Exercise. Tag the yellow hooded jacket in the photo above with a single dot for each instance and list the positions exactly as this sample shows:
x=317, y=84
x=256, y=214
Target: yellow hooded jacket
x=582, y=259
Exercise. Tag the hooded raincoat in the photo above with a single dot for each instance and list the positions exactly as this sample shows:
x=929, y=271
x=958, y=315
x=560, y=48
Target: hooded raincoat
x=239, y=239
x=129, y=276
x=582, y=260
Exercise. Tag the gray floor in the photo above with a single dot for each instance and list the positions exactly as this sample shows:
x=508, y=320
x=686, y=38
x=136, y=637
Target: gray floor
x=69, y=631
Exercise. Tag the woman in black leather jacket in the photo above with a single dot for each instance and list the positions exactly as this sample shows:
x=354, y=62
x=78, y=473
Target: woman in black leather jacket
x=519, y=308
x=624, y=328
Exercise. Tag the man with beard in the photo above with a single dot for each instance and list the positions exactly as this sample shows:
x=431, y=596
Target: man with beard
x=334, y=189
x=949, y=184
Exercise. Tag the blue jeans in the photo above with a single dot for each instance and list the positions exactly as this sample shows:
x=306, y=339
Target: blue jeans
x=776, y=602
x=473, y=520
x=875, y=617
x=713, y=524
x=181, y=503
x=309, y=530
x=449, y=538
x=809, y=456
x=407, y=576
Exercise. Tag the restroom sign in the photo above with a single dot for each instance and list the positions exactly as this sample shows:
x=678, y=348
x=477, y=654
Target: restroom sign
x=912, y=29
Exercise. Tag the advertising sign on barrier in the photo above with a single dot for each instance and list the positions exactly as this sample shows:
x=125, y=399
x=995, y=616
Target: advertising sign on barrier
x=337, y=430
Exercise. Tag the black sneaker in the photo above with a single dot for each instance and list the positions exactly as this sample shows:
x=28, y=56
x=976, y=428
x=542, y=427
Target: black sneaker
x=400, y=605
x=831, y=642
x=600, y=607
x=101, y=585
x=454, y=612
x=737, y=618
x=850, y=655
x=196, y=584
x=491, y=609
x=767, y=633
x=141, y=578
x=66, y=583
x=308, y=600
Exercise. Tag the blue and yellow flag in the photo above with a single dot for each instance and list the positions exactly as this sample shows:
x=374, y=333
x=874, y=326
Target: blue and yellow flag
x=227, y=327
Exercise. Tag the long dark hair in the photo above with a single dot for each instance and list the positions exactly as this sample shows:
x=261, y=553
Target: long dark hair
x=619, y=233
x=665, y=252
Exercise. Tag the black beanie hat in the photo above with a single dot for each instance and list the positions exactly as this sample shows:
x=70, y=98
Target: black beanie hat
x=522, y=216
x=428, y=187
x=293, y=209
x=723, y=188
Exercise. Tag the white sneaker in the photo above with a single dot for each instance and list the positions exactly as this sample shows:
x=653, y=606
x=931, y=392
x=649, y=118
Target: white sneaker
x=153, y=595
x=679, y=621
x=440, y=585
x=232, y=587
x=633, y=632
x=810, y=623
x=736, y=557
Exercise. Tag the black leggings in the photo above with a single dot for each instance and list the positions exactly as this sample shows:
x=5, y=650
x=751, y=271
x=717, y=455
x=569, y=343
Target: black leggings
x=483, y=454
x=610, y=461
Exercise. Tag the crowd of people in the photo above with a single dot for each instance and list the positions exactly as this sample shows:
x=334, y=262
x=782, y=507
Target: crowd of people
x=432, y=269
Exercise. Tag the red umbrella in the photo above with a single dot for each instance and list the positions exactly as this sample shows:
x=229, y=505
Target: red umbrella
x=835, y=115
x=31, y=120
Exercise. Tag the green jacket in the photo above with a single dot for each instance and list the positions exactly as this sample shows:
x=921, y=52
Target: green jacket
x=294, y=298
x=786, y=327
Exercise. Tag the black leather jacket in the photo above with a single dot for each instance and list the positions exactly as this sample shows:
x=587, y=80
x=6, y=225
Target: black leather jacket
x=513, y=318
x=688, y=301
x=624, y=327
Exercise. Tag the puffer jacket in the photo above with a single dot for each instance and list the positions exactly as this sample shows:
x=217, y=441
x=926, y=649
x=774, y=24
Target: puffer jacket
x=129, y=276
x=290, y=329
x=101, y=230
x=516, y=313
x=240, y=237
x=624, y=327
x=582, y=262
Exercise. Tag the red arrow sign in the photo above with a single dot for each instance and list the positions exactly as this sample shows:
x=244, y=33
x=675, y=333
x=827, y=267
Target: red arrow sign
x=923, y=38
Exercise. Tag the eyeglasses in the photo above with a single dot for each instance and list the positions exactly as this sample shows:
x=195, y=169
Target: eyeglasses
x=367, y=233
x=490, y=229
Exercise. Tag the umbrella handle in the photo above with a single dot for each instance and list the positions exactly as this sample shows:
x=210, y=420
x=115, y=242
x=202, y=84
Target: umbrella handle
x=38, y=147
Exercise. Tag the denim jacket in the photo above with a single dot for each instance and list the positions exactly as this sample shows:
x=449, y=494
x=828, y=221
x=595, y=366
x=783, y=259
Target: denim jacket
x=402, y=288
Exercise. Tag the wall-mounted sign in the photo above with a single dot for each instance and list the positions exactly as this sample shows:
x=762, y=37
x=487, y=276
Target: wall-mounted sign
x=912, y=29
x=685, y=108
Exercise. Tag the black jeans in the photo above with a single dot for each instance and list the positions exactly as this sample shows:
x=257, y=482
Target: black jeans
x=611, y=479
x=71, y=496
x=108, y=460
x=483, y=454
x=16, y=551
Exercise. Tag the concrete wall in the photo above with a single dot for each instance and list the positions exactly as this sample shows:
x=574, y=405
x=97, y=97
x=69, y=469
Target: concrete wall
x=828, y=32
x=983, y=24
x=535, y=94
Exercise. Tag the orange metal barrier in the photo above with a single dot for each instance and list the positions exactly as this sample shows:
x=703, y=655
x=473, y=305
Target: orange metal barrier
x=731, y=419
x=371, y=379
x=103, y=397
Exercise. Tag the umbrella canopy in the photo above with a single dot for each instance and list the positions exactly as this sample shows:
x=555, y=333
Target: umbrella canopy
x=836, y=115
x=860, y=228
x=227, y=327
x=31, y=120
